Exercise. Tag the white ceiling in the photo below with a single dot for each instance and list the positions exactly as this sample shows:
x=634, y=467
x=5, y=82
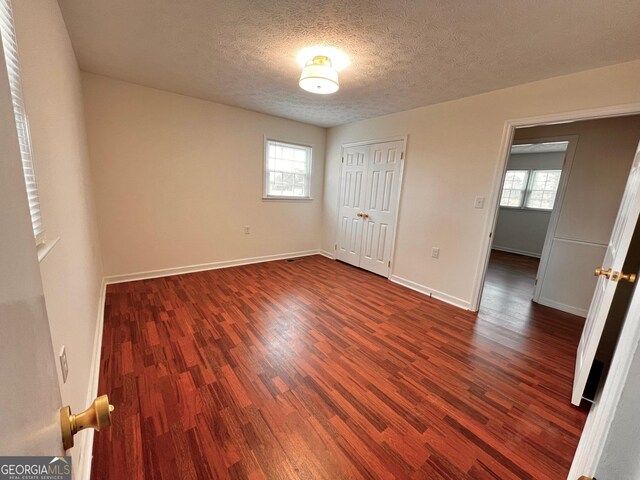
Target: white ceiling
x=549, y=147
x=405, y=54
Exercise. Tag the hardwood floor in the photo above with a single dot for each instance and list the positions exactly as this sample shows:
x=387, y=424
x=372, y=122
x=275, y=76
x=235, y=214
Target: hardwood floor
x=315, y=369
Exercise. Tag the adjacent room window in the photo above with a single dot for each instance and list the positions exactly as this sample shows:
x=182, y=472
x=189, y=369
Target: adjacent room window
x=530, y=189
x=544, y=185
x=287, y=170
x=10, y=47
x=514, y=188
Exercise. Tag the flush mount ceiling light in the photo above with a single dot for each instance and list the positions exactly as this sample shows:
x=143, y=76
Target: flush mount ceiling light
x=319, y=76
x=320, y=66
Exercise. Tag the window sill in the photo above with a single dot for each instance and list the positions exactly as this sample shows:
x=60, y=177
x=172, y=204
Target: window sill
x=44, y=248
x=287, y=199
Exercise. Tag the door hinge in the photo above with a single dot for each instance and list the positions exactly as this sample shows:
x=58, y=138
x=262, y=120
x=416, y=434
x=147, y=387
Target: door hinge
x=389, y=263
x=335, y=247
x=490, y=234
x=536, y=282
x=342, y=159
x=401, y=155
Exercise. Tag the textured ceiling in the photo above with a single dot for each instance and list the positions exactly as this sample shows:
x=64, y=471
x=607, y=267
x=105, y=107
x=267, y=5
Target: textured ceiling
x=551, y=147
x=405, y=54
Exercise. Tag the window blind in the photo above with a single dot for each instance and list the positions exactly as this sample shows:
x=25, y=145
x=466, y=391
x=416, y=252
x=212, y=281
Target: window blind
x=8, y=34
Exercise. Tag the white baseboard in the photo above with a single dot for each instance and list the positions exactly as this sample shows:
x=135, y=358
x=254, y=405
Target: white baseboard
x=86, y=438
x=458, y=302
x=130, y=277
x=516, y=251
x=581, y=312
x=324, y=253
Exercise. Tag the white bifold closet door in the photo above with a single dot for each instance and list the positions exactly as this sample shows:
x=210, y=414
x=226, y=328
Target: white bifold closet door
x=369, y=192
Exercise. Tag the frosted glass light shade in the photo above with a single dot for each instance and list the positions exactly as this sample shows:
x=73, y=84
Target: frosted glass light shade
x=318, y=76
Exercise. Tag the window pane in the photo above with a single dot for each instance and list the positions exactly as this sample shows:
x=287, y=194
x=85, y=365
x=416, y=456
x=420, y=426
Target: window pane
x=515, y=185
x=544, y=187
x=288, y=170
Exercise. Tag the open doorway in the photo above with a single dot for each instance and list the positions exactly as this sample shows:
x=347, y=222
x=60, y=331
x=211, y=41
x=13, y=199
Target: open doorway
x=560, y=192
x=530, y=197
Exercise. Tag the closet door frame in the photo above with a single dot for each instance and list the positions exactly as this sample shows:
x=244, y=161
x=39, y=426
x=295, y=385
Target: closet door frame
x=398, y=138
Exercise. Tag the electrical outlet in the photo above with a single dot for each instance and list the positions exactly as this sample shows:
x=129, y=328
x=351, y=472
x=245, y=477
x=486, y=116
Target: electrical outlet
x=479, y=203
x=435, y=252
x=64, y=365
x=247, y=229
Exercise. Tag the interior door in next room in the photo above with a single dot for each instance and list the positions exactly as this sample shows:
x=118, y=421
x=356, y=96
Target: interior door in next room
x=352, y=190
x=380, y=204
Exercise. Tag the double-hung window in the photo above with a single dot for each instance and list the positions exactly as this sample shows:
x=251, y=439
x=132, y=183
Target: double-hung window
x=514, y=188
x=287, y=172
x=10, y=47
x=530, y=189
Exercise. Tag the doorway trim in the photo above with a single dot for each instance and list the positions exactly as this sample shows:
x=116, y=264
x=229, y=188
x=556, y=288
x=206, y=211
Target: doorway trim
x=394, y=138
x=567, y=163
x=594, y=434
x=505, y=149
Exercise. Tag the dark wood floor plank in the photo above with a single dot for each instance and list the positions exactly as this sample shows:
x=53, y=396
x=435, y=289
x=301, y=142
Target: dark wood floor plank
x=315, y=369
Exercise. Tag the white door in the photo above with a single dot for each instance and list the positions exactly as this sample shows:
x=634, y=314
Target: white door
x=352, y=191
x=381, y=199
x=369, y=193
x=29, y=393
x=608, y=281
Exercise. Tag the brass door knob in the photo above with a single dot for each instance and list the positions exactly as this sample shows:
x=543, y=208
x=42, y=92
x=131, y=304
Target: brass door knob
x=629, y=277
x=360, y=214
x=97, y=416
x=601, y=272
x=365, y=215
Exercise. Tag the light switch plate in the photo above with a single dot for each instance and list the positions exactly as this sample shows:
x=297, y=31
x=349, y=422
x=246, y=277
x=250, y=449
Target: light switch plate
x=64, y=365
x=435, y=252
x=479, y=203
x=246, y=229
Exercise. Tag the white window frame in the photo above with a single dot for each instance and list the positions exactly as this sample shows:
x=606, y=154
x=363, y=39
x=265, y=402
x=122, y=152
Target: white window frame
x=524, y=190
x=266, y=171
x=10, y=49
x=529, y=187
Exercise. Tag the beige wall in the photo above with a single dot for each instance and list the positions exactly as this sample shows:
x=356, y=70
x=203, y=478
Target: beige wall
x=453, y=155
x=177, y=178
x=601, y=164
x=72, y=272
x=603, y=156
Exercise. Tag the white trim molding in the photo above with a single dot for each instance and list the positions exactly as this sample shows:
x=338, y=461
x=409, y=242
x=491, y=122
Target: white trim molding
x=430, y=292
x=329, y=255
x=167, y=272
x=45, y=247
x=85, y=442
x=581, y=312
x=516, y=251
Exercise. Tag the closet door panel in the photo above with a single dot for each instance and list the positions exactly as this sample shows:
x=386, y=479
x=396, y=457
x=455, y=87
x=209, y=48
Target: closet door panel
x=352, y=199
x=381, y=199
